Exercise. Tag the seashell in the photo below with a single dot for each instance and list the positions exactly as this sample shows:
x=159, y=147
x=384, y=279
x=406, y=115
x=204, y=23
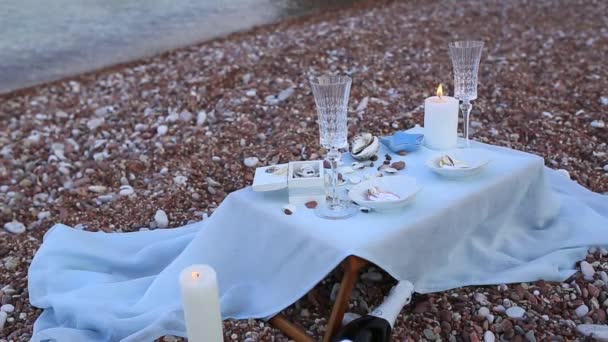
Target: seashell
x=365, y=209
x=400, y=165
x=364, y=146
x=390, y=170
x=362, y=164
x=445, y=160
x=311, y=204
x=289, y=209
x=354, y=179
x=347, y=169
x=307, y=171
x=277, y=170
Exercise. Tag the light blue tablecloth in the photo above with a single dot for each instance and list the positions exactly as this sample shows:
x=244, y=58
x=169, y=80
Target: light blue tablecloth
x=517, y=221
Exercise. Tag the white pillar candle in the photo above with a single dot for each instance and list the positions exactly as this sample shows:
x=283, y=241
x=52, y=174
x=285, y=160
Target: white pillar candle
x=440, y=121
x=201, y=304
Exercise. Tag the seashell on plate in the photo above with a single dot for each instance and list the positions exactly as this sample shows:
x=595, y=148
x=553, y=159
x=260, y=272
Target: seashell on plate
x=364, y=146
x=387, y=168
x=362, y=164
x=307, y=171
x=289, y=209
x=354, y=179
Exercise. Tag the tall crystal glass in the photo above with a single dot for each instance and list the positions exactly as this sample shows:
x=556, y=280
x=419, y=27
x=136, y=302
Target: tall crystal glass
x=331, y=97
x=465, y=57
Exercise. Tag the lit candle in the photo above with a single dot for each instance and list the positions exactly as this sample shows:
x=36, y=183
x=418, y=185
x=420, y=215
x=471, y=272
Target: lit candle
x=201, y=304
x=440, y=121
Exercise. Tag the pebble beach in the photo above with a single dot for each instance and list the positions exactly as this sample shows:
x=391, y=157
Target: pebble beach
x=159, y=142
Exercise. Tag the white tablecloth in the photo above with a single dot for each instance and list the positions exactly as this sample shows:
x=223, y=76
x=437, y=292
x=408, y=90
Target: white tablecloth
x=517, y=221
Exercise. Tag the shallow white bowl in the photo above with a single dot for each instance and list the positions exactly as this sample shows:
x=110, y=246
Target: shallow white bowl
x=475, y=159
x=405, y=187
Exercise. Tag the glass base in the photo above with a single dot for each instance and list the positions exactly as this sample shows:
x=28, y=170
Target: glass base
x=343, y=210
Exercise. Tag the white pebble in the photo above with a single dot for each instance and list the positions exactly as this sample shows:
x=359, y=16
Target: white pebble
x=251, y=92
x=201, y=117
x=372, y=276
x=587, y=270
x=582, y=311
x=161, y=219
x=490, y=318
x=126, y=190
x=180, y=180
x=606, y=167
x=7, y=308
x=604, y=277
x=604, y=100
x=536, y=293
x=98, y=189
x=3, y=317
x=185, y=116
x=43, y=215
x=596, y=331
x=284, y=94
x=14, y=227
x=251, y=161
x=545, y=317
x=483, y=311
x=103, y=111
x=162, y=130
x=488, y=336
x=95, y=123
x=598, y=124
x=499, y=308
x=481, y=298
x=362, y=105
x=515, y=312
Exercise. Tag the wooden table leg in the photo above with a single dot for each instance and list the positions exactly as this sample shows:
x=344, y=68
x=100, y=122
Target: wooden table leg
x=352, y=266
x=290, y=329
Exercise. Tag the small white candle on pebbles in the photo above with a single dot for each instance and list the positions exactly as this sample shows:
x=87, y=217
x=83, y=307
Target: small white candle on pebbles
x=200, y=299
x=440, y=121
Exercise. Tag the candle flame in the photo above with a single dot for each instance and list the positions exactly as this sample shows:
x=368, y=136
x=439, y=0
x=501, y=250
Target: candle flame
x=195, y=275
x=439, y=91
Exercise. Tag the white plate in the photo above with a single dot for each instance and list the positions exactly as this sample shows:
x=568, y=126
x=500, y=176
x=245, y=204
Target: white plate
x=405, y=187
x=475, y=159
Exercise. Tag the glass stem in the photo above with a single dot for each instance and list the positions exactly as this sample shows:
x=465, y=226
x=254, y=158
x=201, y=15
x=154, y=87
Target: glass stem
x=333, y=157
x=465, y=108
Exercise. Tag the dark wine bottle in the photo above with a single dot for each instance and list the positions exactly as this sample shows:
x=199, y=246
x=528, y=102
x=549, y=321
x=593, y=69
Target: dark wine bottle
x=377, y=325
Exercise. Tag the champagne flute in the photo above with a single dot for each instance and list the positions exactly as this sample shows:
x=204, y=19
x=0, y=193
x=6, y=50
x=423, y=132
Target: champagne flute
x=465, y=57
x=331, y=97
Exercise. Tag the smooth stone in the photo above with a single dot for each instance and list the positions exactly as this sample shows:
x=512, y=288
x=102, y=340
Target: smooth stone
x=126, y=190
x=483, y=311
x=598, y=332
x=251, y=161
x=3, y=317
x=94, y=123
x=604, y=100
x=587, y=270
x=349, y=317
x=201, y=117
x=98, y=189
x=488, y=336
x=185, y=116
x=284, y=94
x=334, y=292
x=43, y=215
x=372, y=276
x=103, y=111
x=251, y=92
x=14, y=227
x=481, y=298
x=598, y=124
x=604, y=277
x=162, y=130
x=7, y=308
x=490, y=318
x=530, y=336
x=161, y=219
x=180, y=180
x=515, y=312
x=499, y=309
x=582, y=311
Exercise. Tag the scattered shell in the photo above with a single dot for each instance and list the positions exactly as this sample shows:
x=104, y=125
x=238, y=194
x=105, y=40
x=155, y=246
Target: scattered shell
x=289, y=209
x=311, y=204
x=446, y=160
x=362, y=164
x=364, y=146
x=386, y=168
x=400, y=165
x=354, y=179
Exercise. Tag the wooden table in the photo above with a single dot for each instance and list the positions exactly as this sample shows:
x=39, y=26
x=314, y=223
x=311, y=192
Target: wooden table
x=352, y=266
